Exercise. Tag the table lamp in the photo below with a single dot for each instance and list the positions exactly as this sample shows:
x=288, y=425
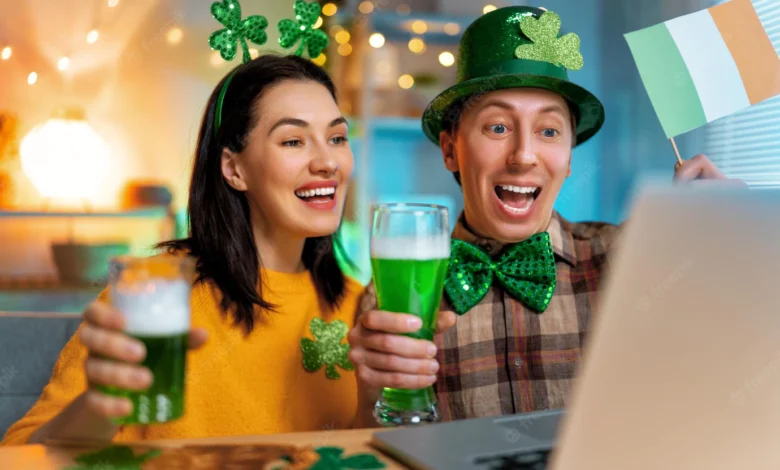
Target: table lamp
x=66, y=161
x=64, y=157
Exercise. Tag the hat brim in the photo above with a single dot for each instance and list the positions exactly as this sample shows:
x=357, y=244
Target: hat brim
x=589, y=109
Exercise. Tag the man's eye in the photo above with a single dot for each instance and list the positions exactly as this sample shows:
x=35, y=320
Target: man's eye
x=550, y=132
x=498, y=128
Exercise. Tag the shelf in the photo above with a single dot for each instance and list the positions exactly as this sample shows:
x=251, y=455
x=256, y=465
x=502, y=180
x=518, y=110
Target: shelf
x=154, y=212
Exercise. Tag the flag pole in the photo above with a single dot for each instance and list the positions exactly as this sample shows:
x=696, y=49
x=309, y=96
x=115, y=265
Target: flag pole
x=677, y=153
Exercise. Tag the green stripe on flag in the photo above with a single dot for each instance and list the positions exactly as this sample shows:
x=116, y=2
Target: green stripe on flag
x=667, y=80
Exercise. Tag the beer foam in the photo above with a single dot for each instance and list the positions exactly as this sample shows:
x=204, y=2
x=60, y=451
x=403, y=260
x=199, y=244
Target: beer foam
x=416, y=248
x=159, y=307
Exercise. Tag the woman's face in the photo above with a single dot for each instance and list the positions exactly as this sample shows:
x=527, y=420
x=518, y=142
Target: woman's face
x=297, y=162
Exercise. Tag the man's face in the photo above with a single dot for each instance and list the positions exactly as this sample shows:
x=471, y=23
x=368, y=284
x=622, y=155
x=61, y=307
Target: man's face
x=513, y=151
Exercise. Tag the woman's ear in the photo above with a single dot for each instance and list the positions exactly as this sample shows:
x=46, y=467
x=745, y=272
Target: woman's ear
x=232, y=171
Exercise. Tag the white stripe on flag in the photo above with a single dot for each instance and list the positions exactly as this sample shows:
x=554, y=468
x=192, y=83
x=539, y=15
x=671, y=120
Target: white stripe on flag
x=713, y=70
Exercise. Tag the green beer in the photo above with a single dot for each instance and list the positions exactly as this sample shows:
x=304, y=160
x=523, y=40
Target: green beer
x=164, y=400
x=154, y=297
x=408, y=268
x=410, y=286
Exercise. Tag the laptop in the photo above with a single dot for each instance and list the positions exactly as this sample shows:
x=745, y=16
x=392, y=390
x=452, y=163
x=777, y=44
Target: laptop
x=682, y=365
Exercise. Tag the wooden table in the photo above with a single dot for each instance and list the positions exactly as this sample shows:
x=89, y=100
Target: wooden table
x=60, y=456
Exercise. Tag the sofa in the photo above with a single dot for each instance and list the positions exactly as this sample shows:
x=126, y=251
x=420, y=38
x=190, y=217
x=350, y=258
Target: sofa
x=29, y=346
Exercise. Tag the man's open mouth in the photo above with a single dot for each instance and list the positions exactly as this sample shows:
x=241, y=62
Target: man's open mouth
x=517, y=199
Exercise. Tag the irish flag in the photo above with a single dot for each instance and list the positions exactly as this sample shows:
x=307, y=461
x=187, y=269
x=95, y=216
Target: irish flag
x=704, y=66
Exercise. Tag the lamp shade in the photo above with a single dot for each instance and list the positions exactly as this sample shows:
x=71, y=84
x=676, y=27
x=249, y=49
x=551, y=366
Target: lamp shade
x=64, y=157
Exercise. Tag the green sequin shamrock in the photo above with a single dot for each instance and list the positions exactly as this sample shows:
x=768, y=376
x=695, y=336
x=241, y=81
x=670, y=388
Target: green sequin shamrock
x=547, y=46
x=331, y=459
x=252, y=28
x=306, y=15
x=327, y=349
x=115, y=458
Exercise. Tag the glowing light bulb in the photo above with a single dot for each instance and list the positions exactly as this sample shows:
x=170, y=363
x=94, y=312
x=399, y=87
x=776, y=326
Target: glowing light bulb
x=405, y=81
x=63, y=63
x=329, y=9
x=32, y=79
x=452, y=28
x=417, y=45
x=376, y=40
x=488, y=8
x=175, y=35
x=92, y=37
x=446, y=59
x=419, y=27
x=342, y=37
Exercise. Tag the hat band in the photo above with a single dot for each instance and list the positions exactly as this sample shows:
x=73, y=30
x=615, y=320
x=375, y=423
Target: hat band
x=517, y=67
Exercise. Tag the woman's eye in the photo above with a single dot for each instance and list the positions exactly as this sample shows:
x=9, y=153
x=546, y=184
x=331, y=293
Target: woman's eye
x=339, y=140
x=550, y=133
x=292, y=143
x=498, y=128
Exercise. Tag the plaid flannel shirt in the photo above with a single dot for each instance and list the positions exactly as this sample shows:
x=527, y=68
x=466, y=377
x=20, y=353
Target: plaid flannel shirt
x=502, y=358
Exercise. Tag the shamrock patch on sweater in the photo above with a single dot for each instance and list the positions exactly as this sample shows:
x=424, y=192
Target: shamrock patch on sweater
x=327, y=348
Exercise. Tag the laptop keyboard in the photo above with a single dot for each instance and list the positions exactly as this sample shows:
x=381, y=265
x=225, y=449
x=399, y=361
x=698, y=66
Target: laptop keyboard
x=523, y=460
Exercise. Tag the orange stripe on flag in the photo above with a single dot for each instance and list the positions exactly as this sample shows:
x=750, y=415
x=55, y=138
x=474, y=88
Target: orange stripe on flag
x=749, y=44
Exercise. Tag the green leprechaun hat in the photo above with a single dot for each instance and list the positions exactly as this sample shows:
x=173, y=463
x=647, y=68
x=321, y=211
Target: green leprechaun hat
x=517, y=47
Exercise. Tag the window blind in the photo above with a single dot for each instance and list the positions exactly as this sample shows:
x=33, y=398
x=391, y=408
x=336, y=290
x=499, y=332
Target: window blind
x=746, y=145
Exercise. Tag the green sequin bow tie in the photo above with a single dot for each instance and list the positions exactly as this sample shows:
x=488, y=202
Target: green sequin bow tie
x=526, y=271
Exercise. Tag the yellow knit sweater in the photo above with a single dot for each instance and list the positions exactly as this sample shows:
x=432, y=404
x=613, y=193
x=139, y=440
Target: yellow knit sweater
x=236, y=384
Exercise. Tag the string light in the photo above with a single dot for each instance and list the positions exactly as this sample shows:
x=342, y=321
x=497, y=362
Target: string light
x=175, y=35
x=405, y=81
x=32, y=78
x=92, y=37
x=366, y=7
x=376, y=40
x=419, y=27
x=446, y=59
x=318, y=23
x=329, y=9
x=342, y=37
x=113, y=3
x=452, y=28
x=320, y=60
x=6, y=54
x=417, y=45
x=254, y=53
x=488, y=8
x=63, y=63
x=345, y=49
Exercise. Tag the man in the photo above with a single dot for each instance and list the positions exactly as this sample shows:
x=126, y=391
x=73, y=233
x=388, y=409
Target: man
x=506, y=131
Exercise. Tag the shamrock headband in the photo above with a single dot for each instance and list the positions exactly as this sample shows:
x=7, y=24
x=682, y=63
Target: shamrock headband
x=252, y=28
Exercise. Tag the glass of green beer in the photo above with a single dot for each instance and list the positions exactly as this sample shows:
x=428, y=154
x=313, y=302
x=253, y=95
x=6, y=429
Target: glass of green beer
x=153, y=294
x=410, y=250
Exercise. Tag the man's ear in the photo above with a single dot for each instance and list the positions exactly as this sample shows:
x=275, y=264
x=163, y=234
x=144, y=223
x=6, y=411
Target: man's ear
x=447, y=145
x=232, y=171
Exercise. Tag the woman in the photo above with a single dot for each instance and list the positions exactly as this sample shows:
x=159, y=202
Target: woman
x=267, y=193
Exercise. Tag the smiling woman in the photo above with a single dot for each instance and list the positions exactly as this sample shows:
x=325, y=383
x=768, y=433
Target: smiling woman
x=269, y=300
